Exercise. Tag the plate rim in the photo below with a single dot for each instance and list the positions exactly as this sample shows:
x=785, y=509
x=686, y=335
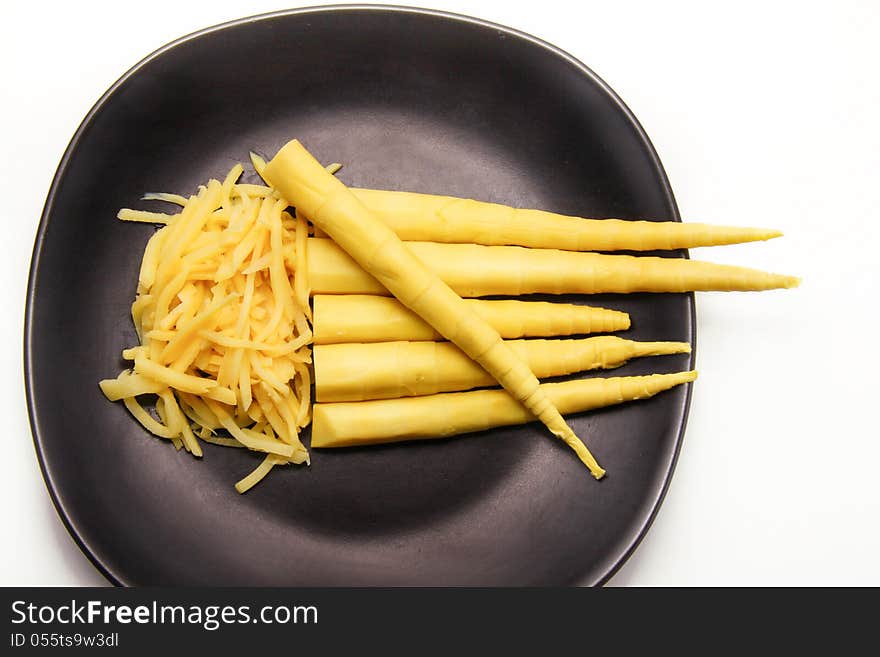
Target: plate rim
x=48, y=207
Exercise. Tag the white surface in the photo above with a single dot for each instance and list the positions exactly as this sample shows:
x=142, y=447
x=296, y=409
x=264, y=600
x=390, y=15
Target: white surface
x=761, y=115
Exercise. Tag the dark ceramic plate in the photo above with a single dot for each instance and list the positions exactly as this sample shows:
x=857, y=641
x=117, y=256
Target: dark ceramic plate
x=406, y=99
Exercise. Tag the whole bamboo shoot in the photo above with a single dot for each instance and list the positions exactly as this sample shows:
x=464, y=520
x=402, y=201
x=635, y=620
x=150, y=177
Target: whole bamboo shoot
x=346, y=424
x=303, y=182
x=429, y=218
x=474, y=271
x=385, y=370
x=370, y=318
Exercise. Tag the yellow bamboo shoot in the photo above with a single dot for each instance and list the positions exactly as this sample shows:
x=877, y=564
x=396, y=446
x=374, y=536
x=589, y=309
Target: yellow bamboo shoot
x=347, y=424
x=385, y=370
x=474, y=271
x=370, y=318
x=429, y=218
x=304, y=183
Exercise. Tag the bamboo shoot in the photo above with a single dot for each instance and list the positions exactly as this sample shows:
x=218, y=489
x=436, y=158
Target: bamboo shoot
x=385, y=370
x=303, y=182
x=347, y=424
x=429, y=218
x=474, y=271
x=369, y=318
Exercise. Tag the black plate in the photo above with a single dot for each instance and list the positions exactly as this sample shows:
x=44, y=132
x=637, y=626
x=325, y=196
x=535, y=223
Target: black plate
x=406, y=99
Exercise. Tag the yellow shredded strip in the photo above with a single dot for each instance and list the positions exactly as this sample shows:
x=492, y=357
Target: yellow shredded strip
x=125, y=214
x=256, y=476
x=219, y=440
x=222, y=313
x=177, y=199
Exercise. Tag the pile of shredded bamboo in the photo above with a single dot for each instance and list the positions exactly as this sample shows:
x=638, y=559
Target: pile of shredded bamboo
x=222, y=317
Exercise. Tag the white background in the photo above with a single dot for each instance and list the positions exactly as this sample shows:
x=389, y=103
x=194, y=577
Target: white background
x=762, y=113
